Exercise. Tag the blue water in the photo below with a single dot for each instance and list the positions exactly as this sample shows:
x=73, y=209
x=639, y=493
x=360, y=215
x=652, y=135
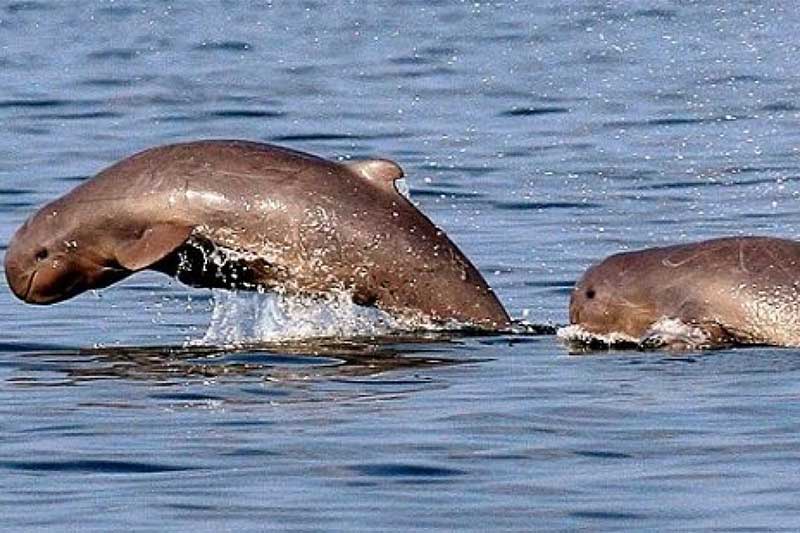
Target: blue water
x=541, y=136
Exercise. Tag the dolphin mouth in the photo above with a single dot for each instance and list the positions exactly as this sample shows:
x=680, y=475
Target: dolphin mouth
x=30, y=297
x=26, y=295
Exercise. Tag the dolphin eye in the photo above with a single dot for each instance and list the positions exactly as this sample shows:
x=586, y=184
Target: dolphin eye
x=590, y=293
x=41, y=254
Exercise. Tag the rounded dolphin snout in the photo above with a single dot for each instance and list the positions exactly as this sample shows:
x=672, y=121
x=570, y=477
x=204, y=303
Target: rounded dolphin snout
x=32, y=286
x=19, y=280
x=574, y=310
x=40, y=281
x=19, y=272
x=580, y=297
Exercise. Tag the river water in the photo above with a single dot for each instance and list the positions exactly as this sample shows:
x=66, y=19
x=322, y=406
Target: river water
x=542, y=136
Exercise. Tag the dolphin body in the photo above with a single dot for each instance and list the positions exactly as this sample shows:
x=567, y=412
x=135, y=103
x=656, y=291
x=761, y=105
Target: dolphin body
x=734, y=290
x=245, y=215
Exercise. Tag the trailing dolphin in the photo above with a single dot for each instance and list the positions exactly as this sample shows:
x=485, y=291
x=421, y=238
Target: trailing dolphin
x=245, y=215
x=736, y=290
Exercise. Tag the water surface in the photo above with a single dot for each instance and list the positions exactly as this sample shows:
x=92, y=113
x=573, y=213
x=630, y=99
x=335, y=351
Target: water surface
x=541, y=136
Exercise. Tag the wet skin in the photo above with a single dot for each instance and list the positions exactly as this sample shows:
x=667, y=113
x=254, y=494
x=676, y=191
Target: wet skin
x=737, y=290
x=247, y=215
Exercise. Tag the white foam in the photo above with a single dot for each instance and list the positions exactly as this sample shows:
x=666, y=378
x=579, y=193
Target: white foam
x=666, y=332
x=677, y=334
x=575, y=334
x=251, y=317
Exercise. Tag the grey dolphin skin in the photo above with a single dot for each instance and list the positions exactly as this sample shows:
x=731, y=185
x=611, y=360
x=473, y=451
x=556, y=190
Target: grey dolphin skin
x=247, y=215
x=736, y=290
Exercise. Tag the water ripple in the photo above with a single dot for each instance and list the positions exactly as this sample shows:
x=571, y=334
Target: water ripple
x=541, y=206
x=247, y=113
x=97, y=466
x=534, y=111
x=35, y=103
x=115, y=54
x=405, y=471
x=224, y=46
x=548, y=136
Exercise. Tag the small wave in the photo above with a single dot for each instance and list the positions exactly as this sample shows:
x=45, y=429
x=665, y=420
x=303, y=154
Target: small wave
x=43, y=102
x=315, y=137
x=678, y=335
x=523, y=327
x=541, y=206
x=429, y=72
x=432, y=192
x=781, y=105
x=311, y=137
x=16, y=7
x=79, y=115
x=664, y=14
x=673, y=121
x=411, y=60
x=607, y=515
x=246, y=113
x=225, y=46
x=108, y=82
x=670, y=333
x=576, y=336
x=740, y=78
x=405, y=470
x=12, y=191
x=467, y=169
x=93, y=466
x=115, y=54
x=118, y=11
x=534, y=111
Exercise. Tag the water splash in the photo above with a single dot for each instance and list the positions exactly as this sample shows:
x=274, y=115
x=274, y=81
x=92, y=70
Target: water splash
x=401, y=185
x=670, y=333
x=576, y=336
x=248, y=317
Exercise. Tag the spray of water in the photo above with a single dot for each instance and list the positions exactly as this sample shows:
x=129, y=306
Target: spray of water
x=665, y=332
x=247, y=317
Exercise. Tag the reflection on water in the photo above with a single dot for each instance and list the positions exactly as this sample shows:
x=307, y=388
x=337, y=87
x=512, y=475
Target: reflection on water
x=300, y=361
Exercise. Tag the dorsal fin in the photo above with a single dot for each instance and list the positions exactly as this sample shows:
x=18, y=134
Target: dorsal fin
x=381, y=172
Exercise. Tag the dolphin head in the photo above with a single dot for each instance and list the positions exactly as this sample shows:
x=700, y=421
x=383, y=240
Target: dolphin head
x=613, y=297
x=71, y=246
x=53, y=257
